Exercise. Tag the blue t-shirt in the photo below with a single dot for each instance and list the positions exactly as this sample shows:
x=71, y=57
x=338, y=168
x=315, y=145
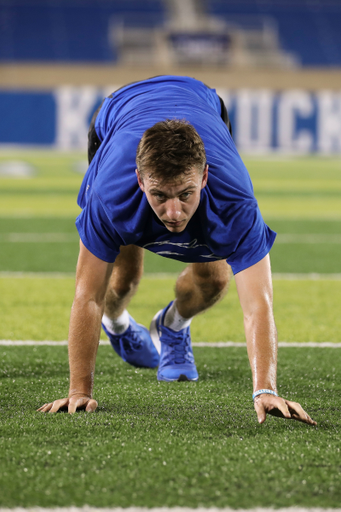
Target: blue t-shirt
x=227, y=224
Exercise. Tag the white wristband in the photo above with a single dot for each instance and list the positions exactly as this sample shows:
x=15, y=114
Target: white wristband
x=265, y=391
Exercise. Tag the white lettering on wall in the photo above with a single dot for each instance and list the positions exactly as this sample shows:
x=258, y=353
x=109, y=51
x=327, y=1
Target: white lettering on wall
x=109, y=89
x=74, y=106
x=329, y=122
x=291, y=104
x=255, y=127
x=227, y=99
x=254, y=120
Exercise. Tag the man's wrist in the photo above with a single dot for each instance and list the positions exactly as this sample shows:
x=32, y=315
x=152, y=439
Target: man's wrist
x=265, y=392
x=78, y=392
x=81, y=384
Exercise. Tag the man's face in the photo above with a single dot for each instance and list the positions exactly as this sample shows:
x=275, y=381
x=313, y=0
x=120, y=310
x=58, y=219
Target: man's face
x=174, y=202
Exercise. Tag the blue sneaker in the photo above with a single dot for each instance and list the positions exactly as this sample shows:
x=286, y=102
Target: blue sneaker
x=176, y=358
x=135, y=345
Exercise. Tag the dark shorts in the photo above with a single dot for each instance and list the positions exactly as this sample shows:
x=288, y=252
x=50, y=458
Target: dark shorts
x=94, y=142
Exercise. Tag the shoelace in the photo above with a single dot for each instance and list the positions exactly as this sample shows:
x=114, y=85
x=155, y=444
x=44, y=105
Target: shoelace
x=179, y=347
x=132, y=343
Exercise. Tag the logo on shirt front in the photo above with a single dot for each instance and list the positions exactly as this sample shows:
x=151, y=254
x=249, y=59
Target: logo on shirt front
x=187, y=246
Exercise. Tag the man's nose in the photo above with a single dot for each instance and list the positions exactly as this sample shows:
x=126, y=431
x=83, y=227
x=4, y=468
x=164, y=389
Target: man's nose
x=173, y=209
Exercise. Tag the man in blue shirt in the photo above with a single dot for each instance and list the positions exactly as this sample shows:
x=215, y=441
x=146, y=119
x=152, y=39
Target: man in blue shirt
x=165, y=175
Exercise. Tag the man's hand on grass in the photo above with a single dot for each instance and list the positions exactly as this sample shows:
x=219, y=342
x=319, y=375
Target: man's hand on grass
x=277, y=406
x=70, y=404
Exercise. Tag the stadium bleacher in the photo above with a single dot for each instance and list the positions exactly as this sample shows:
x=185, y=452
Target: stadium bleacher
x=308, y=28
x=78, y=30
x=59, y=58
x=69, y=30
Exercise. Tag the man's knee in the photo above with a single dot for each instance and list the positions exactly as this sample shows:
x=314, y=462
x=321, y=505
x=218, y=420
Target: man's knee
x=212, y=279
x=217, y=274
x=213, y=287
x=127, y=273
x=122, y=288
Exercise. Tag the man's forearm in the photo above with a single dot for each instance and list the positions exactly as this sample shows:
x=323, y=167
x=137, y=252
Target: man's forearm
x=261, y=336
x=254, y=286
x=84, y=334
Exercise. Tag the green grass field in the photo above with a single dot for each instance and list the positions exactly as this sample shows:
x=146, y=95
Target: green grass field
x=184, y=444
x=154, y=444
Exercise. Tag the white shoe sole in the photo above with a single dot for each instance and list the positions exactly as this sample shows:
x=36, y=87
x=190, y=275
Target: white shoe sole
x=154, y=334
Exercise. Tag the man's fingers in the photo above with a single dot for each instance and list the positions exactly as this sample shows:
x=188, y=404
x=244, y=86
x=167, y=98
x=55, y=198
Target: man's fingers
x=268, y=404
x=58, y=404
x=92, y=406
x=77, y=403
x=71, y=404
x=45, y=407
x=53, y=406
x=282, y=407
x=260, y=410
x=298, y=413
x=277, y=406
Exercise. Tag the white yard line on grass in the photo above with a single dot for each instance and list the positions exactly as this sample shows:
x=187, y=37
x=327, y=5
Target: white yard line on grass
x=38, y=237
x=213, y=344
x=167, y=509
x=285, y=238
x=313, y=276
x=296, y=238
x=35, y=275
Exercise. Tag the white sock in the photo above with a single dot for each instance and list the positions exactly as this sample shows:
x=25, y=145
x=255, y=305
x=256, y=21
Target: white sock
x=117, y=325
x=173, y=320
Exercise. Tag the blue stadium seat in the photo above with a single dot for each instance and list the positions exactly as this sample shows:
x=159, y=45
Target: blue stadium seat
x=309, y=29
x=68, y=30
x=78, y=30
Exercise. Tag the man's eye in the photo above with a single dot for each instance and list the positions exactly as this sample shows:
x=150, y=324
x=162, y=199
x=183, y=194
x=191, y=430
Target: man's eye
x=184, y=196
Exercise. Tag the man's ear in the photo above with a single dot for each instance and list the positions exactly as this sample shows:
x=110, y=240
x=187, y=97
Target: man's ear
x=139, y=180
x=204, y=177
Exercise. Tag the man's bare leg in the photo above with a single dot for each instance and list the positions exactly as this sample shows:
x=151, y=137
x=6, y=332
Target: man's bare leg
x=130, y=340
x=200, y=286
x=124, y=281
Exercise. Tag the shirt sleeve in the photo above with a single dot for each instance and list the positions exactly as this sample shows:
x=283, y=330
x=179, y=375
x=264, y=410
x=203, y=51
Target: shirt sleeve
x=255, y=242
x=96, y=231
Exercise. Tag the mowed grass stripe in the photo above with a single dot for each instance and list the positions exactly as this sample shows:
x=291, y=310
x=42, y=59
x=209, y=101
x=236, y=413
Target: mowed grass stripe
x=287, y=238
x=67, y=225
x=38, y=237
x=39, y=250
x=167, y=509
x=313, y=276
x=210, y=344
x=65, y=206
x=302, y=207
x=62, y=257
x=304, y=238
x=38, y=308
x=288, y=188
x=52, y=245
x=33, y=205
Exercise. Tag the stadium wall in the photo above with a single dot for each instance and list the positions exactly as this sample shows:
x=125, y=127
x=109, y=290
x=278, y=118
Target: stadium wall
x=270, y=111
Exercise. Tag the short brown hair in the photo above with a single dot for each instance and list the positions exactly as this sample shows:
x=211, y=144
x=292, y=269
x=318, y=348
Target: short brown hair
x=170, y=148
